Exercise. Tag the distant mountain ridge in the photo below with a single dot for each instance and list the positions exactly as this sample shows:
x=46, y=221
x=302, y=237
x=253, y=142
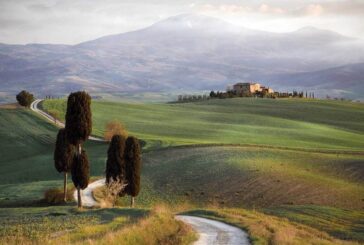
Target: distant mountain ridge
x=188, y=53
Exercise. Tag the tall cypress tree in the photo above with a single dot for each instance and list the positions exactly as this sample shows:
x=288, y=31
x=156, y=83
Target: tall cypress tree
x=63, y=157
x=80, y=173
x=78, y=129
x=133, y=167
x=78, y=118
x=115, y=164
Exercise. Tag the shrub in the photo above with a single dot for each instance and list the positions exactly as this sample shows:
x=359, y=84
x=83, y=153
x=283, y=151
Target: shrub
x=25, y=98
x=114, y=128
x=56, y=196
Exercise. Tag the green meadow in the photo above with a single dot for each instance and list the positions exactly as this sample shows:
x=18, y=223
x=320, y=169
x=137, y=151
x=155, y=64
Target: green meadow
x=298, y=160
x=305, y=124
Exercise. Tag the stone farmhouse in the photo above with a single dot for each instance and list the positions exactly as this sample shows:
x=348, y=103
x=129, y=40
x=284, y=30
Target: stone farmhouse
x=250, y=88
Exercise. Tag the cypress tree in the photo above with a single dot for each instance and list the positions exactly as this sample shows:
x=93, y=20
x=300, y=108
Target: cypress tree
x=133, y=167
x=78, y=129
x=63, y=157
x=115, y=164
x=78, y=118
x=80, y=174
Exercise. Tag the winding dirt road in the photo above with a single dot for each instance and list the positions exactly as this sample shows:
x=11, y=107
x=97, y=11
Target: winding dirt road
x=215, y=232
x=34, y=107
x=86, y=194
x=210, y=232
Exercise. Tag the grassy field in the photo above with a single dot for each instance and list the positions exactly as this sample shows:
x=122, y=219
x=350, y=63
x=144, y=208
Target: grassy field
x=342, y=223
x=26, y=165
x=67, y=225
x=266, y=229
x=255, y=177
x=311, y=124
x=292, y=159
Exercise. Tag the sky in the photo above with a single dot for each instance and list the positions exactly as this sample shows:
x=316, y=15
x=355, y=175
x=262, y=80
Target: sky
x=75, y=21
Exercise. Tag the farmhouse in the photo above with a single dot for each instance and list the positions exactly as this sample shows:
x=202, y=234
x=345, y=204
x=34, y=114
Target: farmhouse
x=250, y=88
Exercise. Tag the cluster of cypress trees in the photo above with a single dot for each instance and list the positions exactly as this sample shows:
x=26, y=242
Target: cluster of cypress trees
x=124, y=164
x=68, y=154
x=123, y=156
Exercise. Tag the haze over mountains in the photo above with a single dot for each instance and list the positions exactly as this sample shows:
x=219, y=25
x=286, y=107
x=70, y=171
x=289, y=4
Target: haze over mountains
x=189, y=53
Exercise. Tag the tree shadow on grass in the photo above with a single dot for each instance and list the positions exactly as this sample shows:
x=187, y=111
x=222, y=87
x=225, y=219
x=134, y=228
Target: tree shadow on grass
x=108, y=214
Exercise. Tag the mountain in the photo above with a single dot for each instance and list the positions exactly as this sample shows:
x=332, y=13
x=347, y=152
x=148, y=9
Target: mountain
x=344, y=81
x=184, y=53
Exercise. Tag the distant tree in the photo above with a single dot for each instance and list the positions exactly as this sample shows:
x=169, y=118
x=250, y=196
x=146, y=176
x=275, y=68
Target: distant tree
x=212, y=94
x=115, y=164
x=78, y=129
x=25, y=98
x=114, y=128
x=63, y=157
x=133, y=167
x=80, y=174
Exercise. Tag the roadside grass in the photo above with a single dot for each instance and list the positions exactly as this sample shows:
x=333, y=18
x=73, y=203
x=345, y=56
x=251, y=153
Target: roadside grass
x=55, y=196
x=267, y=229
x=158, y=228
x=308, y=124
x=66, y=225
x=252, y=177
x=341, y=223
x=26, y=165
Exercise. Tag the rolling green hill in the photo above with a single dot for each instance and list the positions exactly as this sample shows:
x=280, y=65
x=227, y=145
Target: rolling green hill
x=26, y=164
x=308, y=124
x=281, y=176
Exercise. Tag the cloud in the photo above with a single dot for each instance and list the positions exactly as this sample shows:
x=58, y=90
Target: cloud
x=74, y=21
x=264, y=8
x=338, y=7
x=313, y=10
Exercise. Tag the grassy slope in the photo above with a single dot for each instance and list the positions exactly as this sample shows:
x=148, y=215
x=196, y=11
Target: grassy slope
x=240, y=176
x=26, y=166
x=66, y=225
x=342, y=223
x=309, y=177
x=265, y=229
x=288, y=123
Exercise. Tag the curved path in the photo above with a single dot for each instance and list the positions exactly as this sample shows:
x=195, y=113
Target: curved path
x=215, y=232
x=34, y=107
x=210, y=231
x=86, y=194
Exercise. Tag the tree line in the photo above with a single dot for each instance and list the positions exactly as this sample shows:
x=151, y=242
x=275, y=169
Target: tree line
x=123, y=165
x=232, y=94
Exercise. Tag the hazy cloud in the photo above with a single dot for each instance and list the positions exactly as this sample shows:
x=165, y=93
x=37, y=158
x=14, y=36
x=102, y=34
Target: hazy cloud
x=74, y=21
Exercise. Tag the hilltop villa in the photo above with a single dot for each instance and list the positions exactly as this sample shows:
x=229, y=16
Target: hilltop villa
x=250, y=88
